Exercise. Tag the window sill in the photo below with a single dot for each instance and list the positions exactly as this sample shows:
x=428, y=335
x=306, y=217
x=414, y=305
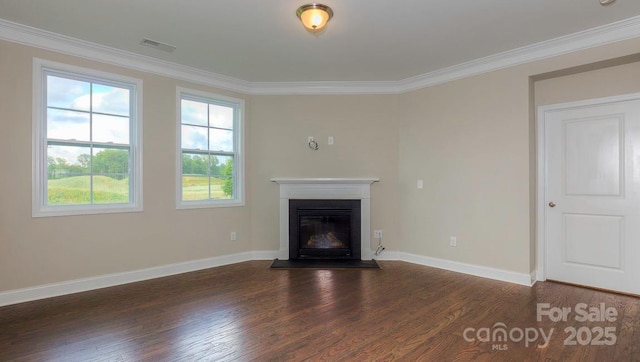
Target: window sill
x=53, y=211
x=209, y=204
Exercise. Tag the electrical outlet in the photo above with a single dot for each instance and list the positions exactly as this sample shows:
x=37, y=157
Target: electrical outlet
x=453, y=241
x=233, y=236
x=377, y=234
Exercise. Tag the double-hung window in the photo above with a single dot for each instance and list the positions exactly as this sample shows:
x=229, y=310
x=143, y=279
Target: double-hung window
x=210, y=161
x=87, y=141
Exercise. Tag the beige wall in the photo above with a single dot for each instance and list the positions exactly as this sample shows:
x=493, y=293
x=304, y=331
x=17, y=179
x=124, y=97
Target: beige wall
x=473, y=142
x=610, y=81
x=37, y=251
x=366, y=145
x=470, y=140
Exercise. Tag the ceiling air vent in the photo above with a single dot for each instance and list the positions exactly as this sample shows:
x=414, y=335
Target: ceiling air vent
x=157, y=45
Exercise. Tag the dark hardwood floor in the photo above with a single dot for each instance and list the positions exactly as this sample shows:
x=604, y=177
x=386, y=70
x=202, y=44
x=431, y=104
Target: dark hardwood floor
x=248, y=312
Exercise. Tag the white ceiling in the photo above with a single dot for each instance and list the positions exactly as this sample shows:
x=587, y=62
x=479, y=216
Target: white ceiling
x=263, y=41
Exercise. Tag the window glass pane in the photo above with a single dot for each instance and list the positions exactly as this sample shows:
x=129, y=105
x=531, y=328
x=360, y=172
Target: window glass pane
x=110, y=100
x=207, y=131
x=110, y=176
x=110, y=129
x=220, y=116
x=68, y=93
x=194, y=112
x=220, y=140
x=67, y=125
x=222, y=179
x=195, y=177
x=68, y=180
x=194, y=138
x=81, y=112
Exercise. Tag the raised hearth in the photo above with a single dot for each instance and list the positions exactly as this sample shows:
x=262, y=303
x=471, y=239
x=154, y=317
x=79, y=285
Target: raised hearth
x=326, y=189
x=325, y=264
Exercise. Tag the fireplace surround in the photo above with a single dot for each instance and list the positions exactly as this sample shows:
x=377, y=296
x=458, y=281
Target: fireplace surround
x=326, y=189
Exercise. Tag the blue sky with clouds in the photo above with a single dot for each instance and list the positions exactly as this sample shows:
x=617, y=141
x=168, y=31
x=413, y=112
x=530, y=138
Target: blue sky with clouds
x=205, y=126
x=197, y=131
x=73, y=121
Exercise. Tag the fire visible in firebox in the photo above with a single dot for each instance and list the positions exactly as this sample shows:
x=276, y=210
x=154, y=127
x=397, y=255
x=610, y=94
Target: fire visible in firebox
x=325, y=241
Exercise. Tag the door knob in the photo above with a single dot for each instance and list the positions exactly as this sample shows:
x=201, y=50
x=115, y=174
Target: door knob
x=552, y=204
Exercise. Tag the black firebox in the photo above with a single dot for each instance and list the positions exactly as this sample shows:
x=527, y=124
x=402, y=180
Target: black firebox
x=324, y=229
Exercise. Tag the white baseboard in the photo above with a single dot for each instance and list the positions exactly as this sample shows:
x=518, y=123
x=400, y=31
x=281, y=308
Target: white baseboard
x=264, y=254
x=471, y=269
x=534, y=277
x=109, y=280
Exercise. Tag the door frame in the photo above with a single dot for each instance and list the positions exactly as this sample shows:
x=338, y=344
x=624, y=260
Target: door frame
x=541, y=168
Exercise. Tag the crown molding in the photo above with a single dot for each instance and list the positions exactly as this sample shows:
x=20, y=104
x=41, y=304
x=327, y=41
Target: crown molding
x=590, y=38
x=47, y=40
x=606, y=34
x=326, y=87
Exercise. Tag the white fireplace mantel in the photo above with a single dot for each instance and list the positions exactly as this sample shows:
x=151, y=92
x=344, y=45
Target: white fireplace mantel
x=330, y=189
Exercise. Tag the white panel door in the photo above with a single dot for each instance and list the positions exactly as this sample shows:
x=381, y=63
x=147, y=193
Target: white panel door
x=592, y=194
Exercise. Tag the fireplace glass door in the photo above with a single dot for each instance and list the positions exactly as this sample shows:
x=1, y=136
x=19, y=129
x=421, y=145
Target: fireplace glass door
x=324, y=229
x=328, y=235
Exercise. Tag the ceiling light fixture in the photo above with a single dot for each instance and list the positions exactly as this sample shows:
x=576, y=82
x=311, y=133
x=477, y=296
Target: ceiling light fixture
x=314, y=16
x=606, y=2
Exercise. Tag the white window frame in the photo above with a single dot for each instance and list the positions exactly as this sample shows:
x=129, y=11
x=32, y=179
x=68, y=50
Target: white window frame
x=39, y=143
x=238, y=143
